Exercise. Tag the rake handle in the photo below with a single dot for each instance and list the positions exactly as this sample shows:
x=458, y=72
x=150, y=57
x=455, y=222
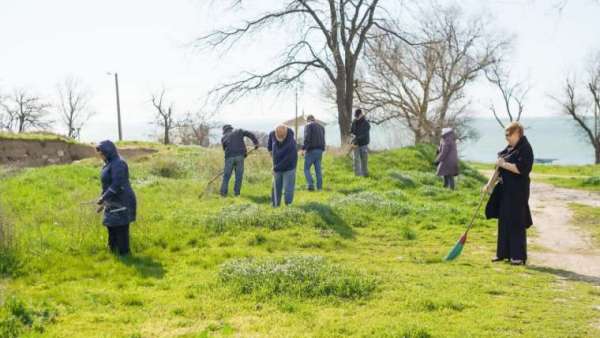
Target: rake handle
x=212, y=180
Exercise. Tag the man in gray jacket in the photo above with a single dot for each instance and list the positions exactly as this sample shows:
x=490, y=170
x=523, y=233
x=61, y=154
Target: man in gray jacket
x=235, y=154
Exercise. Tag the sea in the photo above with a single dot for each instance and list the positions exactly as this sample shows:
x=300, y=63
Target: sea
x=555, y=138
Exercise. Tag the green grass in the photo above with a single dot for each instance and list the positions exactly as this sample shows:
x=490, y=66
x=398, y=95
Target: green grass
x=588, y=218
x=35, y=136
x=361, y=258
x=582, y=177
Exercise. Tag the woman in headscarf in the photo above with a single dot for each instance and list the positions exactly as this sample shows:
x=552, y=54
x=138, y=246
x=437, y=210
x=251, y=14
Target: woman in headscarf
x=447, y=158
x=510, y=198
x=117, y=200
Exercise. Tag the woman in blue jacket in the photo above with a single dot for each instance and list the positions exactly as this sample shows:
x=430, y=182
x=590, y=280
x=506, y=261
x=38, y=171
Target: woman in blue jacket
x=118, y=199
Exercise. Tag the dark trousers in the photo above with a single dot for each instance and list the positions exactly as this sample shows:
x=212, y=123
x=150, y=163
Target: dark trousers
x=449, y=182
x=118, y=239
x=512, y=241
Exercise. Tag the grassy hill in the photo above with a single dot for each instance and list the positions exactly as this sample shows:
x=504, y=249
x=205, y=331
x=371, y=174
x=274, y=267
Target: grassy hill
x=362, y=258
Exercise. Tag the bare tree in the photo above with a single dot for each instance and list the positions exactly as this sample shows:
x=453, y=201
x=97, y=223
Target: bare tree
x=585, y=109
x=196, y=128
x=513, y=94
x=164, y=115
x=73, y=106
x=24, y=112
x=331, y=39
x=424, y=86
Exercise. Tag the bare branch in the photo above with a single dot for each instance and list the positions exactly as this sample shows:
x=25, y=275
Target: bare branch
x=25, y=112
x=73, y=106
x=164, y=115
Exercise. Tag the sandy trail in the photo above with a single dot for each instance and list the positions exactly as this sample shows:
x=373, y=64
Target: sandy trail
x=559, y=245
x=564, y=246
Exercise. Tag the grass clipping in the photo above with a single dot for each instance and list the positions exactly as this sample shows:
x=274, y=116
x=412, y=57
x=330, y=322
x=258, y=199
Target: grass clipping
x=296, y=276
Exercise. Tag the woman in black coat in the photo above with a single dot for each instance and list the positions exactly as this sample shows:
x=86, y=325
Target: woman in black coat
x=117, y=200
x=510, y=198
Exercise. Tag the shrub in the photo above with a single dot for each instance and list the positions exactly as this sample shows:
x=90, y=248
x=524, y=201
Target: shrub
x=592, y=181
x=252, y=215
x=167, y=167
x=296, y=276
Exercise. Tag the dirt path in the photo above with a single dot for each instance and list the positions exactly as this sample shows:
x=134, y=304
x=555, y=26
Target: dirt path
x=559, y=245
x=563, y=246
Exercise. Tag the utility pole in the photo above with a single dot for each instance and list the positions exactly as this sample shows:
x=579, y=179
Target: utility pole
x=118, y=105
x=296, y=119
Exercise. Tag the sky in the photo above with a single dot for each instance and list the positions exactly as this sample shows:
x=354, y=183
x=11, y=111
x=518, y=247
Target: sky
x=150, y=44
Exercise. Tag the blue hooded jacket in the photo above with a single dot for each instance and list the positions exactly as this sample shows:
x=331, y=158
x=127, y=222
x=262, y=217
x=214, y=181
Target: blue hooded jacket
x=285, y=153
x=117, y=194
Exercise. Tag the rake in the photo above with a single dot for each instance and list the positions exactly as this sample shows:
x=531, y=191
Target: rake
x=214, y=178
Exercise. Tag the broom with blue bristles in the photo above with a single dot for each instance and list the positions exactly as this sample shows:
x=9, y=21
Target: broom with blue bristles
x=458, y=247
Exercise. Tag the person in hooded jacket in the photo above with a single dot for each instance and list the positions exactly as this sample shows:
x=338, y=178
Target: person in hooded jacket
x=118, y=199
x=447, y=158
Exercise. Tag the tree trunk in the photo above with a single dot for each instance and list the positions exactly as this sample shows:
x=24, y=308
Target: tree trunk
x=344, y=106
x=345, y=123
x=21, y=125
x=166, y=137
x=597, y=149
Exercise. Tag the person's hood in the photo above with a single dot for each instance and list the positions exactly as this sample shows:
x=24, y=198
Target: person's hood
x=108, y=149
x=448, y=134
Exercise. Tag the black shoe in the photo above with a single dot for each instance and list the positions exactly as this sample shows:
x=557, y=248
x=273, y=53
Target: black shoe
x=311, y=189
x=496, y=260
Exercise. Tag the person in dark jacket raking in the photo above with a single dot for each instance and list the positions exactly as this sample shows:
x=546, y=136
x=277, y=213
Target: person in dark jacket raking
x=447, y=158
x=509, y=202
x=282, y=146
x=235, y=154
x=361, y=130
x=312, y=150
x=118, y=199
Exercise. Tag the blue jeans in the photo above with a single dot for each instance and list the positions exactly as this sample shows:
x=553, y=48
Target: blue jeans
x=285, y=180
x=361, y=159
x=313, y=157
x=233, y=163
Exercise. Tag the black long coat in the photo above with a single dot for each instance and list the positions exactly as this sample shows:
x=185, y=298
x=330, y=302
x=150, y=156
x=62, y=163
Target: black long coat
x=510, y=202
x=514, y=203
